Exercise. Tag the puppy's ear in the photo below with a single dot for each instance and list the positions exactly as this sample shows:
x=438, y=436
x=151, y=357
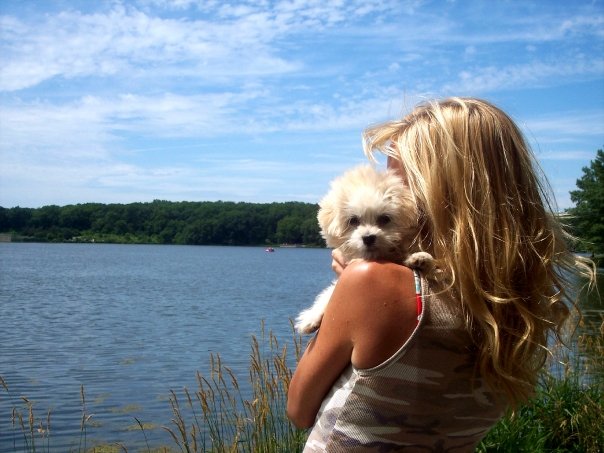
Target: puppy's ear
x=331, y=229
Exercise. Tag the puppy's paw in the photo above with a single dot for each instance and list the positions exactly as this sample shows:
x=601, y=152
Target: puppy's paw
x=422, y=261
x=310, y=319
x=308, y=322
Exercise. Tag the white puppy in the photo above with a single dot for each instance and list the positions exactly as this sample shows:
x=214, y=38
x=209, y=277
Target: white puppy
x=369, y=215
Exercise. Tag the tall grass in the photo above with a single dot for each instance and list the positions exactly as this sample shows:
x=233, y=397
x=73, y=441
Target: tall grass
x=219, y=417
x=223, y=415
x=33, y=432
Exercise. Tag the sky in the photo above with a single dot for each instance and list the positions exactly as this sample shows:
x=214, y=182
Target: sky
x=262, y=101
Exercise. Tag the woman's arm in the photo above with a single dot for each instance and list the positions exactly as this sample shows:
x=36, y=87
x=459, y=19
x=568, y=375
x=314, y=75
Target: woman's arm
x=367, y=319
x=326, y=356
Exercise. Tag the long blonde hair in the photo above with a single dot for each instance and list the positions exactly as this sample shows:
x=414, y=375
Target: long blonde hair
x=486, y=218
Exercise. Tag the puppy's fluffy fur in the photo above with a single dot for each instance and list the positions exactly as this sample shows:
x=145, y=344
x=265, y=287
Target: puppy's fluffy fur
x=369, y=215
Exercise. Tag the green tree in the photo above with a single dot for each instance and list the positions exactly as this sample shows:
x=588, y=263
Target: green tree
x=311, y=233
x=587, y=217
x=217, y=223
x=288, y=230
x=46, y=217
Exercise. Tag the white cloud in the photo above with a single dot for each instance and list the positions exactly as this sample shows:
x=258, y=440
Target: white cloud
x=573, y=125
x=230, y=42
x=91, y=125
x=130, y=42
x=584, y=25
x=205, y=179
x=235, y=42
x=470, y=51
x=531, y=74
x=44, y=131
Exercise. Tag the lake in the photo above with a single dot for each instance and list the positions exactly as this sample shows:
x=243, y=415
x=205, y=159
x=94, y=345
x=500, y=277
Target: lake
x=132, y=322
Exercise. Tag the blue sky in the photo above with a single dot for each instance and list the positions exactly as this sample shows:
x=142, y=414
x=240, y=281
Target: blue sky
x=261, y=101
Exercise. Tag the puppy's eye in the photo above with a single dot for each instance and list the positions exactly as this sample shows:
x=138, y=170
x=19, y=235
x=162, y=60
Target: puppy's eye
x=383, y=220
x=354, y=221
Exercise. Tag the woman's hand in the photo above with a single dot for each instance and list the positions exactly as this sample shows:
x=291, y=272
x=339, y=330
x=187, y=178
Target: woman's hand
x=338, y=263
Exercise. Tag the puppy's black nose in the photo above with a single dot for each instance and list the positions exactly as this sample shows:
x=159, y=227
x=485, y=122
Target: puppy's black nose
x=369, y=239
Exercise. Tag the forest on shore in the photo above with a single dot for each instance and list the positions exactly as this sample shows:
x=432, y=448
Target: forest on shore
x=166, y=222
x=231, y=223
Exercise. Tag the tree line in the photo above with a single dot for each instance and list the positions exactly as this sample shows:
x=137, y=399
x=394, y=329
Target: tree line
x=166, y=222
x=230, y=223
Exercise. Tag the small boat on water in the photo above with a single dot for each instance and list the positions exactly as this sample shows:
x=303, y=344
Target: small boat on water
x=269, y=249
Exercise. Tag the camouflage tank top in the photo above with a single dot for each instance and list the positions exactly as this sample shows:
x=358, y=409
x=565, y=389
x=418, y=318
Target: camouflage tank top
x=426, y=397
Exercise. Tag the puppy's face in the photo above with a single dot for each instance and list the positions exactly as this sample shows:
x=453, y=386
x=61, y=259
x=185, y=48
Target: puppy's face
x=367, y=214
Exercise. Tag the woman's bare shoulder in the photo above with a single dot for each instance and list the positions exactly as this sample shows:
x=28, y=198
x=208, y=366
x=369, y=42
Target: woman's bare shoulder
x=379, y=301
x=383, y=275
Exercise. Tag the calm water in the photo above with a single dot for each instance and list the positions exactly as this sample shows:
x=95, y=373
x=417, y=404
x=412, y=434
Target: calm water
x=132, y=322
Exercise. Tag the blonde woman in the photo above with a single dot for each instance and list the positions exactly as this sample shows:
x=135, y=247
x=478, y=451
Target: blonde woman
x=377, y=379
